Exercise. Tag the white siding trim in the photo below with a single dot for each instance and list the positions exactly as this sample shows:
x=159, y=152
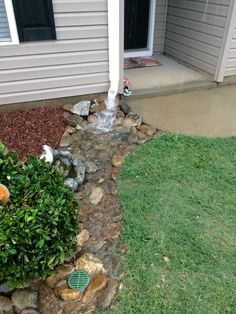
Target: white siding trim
x=12, y=24
x=229, y=30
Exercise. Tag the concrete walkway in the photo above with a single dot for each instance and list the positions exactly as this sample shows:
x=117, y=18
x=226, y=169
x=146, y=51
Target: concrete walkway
x=209, y=112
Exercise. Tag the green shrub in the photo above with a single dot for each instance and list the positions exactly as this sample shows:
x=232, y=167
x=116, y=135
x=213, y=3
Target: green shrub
x=38, y=225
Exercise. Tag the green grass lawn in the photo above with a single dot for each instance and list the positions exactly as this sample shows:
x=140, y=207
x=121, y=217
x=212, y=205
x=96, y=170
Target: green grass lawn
x=178, y=196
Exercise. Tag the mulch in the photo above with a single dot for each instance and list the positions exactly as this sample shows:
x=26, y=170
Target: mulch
x=26, y=131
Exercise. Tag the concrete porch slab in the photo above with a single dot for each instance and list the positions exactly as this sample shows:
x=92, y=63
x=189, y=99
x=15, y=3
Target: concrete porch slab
x=169, y=78
x=206, y=113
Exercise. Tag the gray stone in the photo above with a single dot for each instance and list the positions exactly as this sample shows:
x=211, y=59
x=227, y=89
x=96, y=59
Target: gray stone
x=71, y=184
x=96, y=196
x=97, y=106
x=62, y=152
x=73, y=120
x=90, y=167
x=78, y=308
x=82, y=108
x=29, y=310
x=4, y=288
x=70, y=130
x=108, y=294
x=132, y=119
x=125, y=108
x=60, y=273
x=67, y=162
x=47, y=301
x=82, y=237
x=68, y=107
x=151, y=131
x=23, y=298
x=79, y=170
x=6, y=306
x=65, y=140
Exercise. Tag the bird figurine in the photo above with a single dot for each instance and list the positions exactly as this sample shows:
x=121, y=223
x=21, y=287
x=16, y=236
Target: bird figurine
x=47, y=154
x=4, y=194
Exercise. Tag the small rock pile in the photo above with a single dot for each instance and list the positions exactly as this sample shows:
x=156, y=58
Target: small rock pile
x=54, y=295
x=91, y=161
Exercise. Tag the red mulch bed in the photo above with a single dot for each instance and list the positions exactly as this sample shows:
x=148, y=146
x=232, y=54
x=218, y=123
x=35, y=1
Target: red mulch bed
x=26, y=131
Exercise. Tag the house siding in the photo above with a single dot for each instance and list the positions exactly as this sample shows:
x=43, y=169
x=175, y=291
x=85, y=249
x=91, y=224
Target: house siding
x=4, y=27
x=75, y=64
x=160, y=25
x=231, y=60
x=195, y=31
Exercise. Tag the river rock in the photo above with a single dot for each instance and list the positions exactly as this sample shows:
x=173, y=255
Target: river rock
x=90, y=167
x=79, y=170
x=61, y=272
x=108, y=294
x=125, y=108
x=117, y=160
x=23, y=298
x=62, y=153
x=82, y=238
x=70, y=130
x=91, y=264
x=78, y=308
x=111, y=231
x=4, y=288
x=47, y=301
x=151, y=131
x=67, y=294
x=6, y=305
x=143, y=128
x=98, y=105
x=68, y=107
x=132, y=119
x=82, y=108
x=96, y=196
x=114, y=173
x=71, y=184
x=92, y=118
x=98, y=283
x=65, y=161
x=29, y=310
x=73, y=120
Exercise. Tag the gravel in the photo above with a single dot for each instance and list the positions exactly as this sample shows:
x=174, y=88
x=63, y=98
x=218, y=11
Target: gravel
x=26, y=131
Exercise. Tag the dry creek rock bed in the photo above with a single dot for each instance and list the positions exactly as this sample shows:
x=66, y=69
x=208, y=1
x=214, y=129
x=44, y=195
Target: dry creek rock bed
x=96, y=158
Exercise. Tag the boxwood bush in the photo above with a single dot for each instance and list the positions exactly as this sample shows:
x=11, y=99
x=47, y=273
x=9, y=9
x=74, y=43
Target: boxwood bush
x=38, y=226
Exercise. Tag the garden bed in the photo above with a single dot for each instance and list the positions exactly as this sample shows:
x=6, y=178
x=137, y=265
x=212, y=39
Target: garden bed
x=26, y=131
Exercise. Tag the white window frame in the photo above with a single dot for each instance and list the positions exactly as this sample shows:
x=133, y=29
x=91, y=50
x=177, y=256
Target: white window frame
x=146, y=52
x=12, y=24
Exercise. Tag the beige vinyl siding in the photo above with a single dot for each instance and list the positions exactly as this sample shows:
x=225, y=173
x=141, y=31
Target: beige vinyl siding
x=160, y=24
x=75, y=64
x=231, y=60
x=195, y=31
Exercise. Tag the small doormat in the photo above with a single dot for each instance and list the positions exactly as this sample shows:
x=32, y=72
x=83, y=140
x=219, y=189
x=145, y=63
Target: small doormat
x=134, y=63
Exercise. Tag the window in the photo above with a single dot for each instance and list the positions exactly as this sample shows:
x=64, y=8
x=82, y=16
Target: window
x=8, y=30
x=34, y=19
x=26, y=20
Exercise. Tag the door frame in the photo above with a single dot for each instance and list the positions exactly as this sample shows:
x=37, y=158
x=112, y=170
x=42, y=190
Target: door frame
x=146, y=52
